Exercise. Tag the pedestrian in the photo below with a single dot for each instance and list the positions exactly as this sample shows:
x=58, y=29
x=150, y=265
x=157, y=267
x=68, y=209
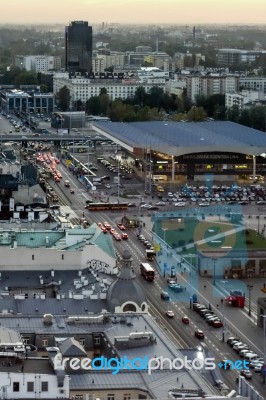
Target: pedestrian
x=222, y=300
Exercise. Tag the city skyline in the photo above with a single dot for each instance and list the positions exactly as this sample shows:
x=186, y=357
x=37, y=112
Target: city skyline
x=142, y=11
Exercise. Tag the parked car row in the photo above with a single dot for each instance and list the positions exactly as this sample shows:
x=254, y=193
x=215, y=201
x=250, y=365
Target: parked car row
x=208, y=315
x=143, y=240
x=245, y=352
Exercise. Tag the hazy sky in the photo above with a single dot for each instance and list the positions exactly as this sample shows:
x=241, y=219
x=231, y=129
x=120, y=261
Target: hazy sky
x=134, y=11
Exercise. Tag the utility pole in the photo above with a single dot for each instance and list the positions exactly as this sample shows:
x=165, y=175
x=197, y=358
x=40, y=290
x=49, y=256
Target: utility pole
x=250, y=287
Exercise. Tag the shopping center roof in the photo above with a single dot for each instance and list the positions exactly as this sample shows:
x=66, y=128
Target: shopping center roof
x=177, y=138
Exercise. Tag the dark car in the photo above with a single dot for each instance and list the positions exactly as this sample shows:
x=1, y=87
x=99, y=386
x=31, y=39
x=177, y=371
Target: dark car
x=199, y=334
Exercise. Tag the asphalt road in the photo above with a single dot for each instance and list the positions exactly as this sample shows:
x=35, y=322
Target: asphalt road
x=182, y=335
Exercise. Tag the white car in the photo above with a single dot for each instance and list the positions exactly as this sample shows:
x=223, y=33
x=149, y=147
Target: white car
x=180, y=204
x=160, y=203
x=170, y=194
x=170, y=314
x=145, y=206
x=204, y=204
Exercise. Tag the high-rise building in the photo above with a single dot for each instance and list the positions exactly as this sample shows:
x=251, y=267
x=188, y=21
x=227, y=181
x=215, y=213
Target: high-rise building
x=78, y=39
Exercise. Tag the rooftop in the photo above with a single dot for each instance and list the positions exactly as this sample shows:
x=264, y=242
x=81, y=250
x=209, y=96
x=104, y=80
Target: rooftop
x=178, y=138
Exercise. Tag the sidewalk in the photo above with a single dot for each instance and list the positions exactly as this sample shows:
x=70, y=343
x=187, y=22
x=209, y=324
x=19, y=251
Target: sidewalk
x=237, y=322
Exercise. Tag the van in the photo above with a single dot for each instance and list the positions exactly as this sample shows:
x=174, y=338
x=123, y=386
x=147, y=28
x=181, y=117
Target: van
x=250, y=357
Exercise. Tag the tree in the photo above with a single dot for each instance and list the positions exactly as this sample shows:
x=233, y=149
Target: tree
x=196, y=114
x=140, y=97
x=26, y=78
x=93, y=105
x=63, y=97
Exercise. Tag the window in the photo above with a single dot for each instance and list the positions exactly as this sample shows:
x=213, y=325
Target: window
x=127, y=396
x=30, y=386
x=32, y=257
x=110, y=396
x=44, y=386
x=44, y=342
x=79, y=397
x=82, y=341
x=15, y=386
x=97, y=340
x=26, y=340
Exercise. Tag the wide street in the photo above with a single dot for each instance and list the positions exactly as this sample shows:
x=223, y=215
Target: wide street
x=237, y=322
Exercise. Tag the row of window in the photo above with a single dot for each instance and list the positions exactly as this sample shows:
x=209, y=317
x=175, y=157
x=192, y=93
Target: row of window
x=111, y=396
x=45, y=342
x=30, y=386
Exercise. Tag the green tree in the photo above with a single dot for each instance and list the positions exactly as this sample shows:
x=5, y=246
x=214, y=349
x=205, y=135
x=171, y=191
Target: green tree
x=63, y=98
x=43, y=88
x=140, y=96
x=196, y=114
x=26, y=78
x=93, y=105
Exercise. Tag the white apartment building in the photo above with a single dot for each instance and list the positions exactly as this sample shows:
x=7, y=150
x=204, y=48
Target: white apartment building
x=253, y=83
x=83, y=89
x=102, y=61
x=38, y=63
x=243, y=98
x=208, y=85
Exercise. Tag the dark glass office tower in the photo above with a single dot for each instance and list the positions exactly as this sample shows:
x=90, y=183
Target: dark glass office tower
x=78, y=38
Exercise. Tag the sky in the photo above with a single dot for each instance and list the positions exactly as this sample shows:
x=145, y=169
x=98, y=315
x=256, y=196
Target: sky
x=134, y=11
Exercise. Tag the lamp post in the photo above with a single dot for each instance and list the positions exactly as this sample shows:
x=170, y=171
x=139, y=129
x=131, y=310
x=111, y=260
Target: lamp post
x=250, y=287
x=214, y=265
x=264, y=347
x=164, y=230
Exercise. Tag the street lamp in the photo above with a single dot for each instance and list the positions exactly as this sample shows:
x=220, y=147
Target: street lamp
x=264, y=347
x=164, y=230
x=214, y=265
x=250, y=287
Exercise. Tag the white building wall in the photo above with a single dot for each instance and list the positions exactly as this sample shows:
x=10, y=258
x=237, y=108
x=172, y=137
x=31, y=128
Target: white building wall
x=48, y=258
x=7, y=380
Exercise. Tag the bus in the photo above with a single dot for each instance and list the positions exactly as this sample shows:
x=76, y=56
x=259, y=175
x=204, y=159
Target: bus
x=147, y=272
x=107, y=206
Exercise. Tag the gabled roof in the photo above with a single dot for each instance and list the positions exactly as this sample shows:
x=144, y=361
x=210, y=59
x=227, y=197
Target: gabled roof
x=72, y=348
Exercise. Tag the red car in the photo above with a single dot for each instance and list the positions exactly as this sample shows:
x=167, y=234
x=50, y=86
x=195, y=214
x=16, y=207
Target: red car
x=107, y=226
x=124, y=236
x=217, y=324
x=199, y=334
x=121, y=226
x=185, y=320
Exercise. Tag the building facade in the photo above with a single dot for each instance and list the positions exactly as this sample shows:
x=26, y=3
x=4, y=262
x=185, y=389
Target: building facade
x=38, y=63
x=78, y=43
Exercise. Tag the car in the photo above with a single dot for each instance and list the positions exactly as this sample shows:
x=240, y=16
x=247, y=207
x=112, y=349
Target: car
x=121, y=226
x=180, y=204
x=243, y=352
x=171, y=281
x=261, y=202
x=117, y=237
x=165, y=296
x=199, y=334
x=233, y=342
x=241, y=347
x=176, y=287
x=154, y=208
x=185, y=320
x=231, y=339
x=160, y=203
x=258, y=367
x=145, y=205
x=217, y=324
x=204, y=204
x=170, y=314
x=132, y=205
x=246, y=373
x=71, y=190
x=124, y=236
x=107, y=226
x=254, y=363
x=108, y=186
